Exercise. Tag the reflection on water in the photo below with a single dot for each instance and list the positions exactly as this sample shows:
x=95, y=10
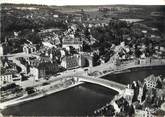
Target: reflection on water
x=81, y=100
x=136, y=74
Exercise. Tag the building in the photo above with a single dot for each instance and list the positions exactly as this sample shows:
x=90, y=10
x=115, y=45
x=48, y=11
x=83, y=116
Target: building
x=77, y=60
x=128, y=95
x=151, y=81
x=140, y=94
x=86, y=59
x=38, y=72
x=115, y=60
x=141, y=113
x=29, y=48
x=55, y=15
x=1, y=50
x=33, y=61
x=7, y=70
x=34, y=72
x=42, y=69
x=145, y=61
x=104, y=9
x=6, y=78
x=50, y=67
x=44, y=59
x=37, y=69
x=70, y=62
x=75, y=43
x=17, y=78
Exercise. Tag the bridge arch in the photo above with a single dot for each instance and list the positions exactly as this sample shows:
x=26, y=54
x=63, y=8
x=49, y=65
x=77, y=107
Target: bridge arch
x=99, y=81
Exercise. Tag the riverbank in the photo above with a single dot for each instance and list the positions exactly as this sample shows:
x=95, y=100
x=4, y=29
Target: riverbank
x=51, y=91
x=110, y=69
x=108, y=105
x=89, y=96
x=37, y=96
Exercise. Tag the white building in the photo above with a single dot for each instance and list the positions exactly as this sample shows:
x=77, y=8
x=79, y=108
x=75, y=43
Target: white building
x=1, y=50
x=128, y=95
x=29, y=48
x=34, y=72
x=142, y=113
x=74, y=42
x=6, y=78
x=140, y=94
x=55, y=16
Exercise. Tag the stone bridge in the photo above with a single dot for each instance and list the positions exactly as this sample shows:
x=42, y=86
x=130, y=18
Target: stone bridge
x=99, y=81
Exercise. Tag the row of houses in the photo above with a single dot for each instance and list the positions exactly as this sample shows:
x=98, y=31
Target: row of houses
x=43, y=66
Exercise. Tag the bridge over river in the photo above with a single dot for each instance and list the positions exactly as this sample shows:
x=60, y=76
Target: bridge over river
x=99, y=81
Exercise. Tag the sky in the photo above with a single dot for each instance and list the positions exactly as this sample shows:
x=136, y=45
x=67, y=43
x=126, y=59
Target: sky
x=87, y=2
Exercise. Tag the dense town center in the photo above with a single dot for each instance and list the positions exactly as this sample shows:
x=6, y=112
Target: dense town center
x=47, y=49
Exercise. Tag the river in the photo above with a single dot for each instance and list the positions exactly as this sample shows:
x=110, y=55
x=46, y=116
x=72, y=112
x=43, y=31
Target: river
x=80, y=100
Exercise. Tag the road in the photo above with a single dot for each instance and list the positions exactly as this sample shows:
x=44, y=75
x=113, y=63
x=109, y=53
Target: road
x=103, y=82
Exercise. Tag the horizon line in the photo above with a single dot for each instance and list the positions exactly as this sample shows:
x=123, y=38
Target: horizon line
x=84, y=2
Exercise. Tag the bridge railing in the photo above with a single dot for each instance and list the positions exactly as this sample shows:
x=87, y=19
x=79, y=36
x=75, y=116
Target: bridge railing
x=98, y=80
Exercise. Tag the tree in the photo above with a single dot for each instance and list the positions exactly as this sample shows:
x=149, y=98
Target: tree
x=158, y=84
x=72, y=50
x=87, y=34
x=136, y=93
x=131, y=111
x=96, y=59
x=86, y=47
x=138, y=53
x=144, y=92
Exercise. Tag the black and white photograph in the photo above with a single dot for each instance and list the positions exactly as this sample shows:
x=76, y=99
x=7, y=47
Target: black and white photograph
x=82, y=58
